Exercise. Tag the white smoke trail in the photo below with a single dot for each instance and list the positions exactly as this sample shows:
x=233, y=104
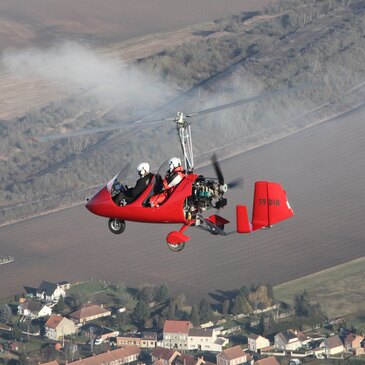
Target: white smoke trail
x=71, y=65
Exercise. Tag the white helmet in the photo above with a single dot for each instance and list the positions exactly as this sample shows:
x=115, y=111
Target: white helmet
x=143, y=168
x=173, y=163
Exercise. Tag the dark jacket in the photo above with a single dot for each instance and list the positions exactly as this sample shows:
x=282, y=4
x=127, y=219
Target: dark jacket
x=133, y=193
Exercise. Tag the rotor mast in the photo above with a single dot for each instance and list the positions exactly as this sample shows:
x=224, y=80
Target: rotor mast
x=184, y=131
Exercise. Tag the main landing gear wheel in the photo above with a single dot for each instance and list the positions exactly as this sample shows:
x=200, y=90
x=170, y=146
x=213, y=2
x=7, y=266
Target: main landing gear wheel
x=176, y=247
x=116, y=226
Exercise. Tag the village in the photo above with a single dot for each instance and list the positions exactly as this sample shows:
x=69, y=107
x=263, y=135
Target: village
x=95, y=334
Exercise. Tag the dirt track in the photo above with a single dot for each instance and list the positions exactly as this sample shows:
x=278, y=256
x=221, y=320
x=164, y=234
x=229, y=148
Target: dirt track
x=323, y=171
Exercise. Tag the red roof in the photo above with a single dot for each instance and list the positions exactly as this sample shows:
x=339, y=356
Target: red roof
x=54, y=321
x=89, y=310
x=234, y=352
x=333, y=342
x=108, y=357
x=163, y=353
x=190, y=360
x=177, y=326
x=268, y=361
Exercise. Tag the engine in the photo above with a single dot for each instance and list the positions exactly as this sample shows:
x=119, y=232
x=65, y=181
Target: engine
x=206, y=194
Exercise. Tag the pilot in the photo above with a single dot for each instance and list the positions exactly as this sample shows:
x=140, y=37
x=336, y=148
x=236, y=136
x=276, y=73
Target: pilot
x=174, y=176
x=131, y=194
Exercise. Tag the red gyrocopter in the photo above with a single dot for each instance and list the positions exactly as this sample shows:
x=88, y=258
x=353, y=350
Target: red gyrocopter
x=191, y=198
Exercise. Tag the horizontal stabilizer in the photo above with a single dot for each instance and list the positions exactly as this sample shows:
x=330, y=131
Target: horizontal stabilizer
x=270, y=205
x=217, y=220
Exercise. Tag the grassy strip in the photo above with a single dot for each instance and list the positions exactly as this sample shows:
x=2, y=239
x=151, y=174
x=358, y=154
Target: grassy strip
x=339, y=290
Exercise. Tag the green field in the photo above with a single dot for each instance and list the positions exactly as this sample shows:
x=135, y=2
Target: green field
x=340, y=290
x=100, y=292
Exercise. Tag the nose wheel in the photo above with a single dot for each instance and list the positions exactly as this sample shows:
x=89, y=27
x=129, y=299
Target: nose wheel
x=176, y=247
x=176, y=240
x=116, y=226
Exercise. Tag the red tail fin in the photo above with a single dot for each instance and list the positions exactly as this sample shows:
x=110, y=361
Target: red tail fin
x=270, y=205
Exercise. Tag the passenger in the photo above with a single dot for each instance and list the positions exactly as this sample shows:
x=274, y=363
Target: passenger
x=131, y=194
x=174, y=176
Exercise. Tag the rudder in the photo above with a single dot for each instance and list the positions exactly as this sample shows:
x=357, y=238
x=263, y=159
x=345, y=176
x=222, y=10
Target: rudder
x=270, y=205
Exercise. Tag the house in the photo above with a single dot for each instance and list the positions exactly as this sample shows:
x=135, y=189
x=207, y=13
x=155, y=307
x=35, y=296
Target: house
x=124, y=355
x=286, y=341
x=233, y=356
x=93, y=330
x=353, y=342
x=189, y=360
x=88, y=313
x=128, y=341
x=205, y=339
x=147, y=340
x=318, y=352
x=33, y=309
x=257, y=342
x=64, y=285
x=303, y=338
x=175, y=334
x=57, y=327
x=164, y=356
x=13, y=346
x=358, y=351
x=267, y=361
x=49, y=292
x=332, y=345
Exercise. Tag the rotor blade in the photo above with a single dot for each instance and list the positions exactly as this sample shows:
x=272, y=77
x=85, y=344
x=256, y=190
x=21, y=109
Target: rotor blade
x=125, y=171
x=143, y=122
x=217, y=169
x=240, y=102
x=83, y=132
x=163, y=167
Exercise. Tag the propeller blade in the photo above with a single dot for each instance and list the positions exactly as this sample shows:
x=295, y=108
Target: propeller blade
x=236, y=183
x=217, y=169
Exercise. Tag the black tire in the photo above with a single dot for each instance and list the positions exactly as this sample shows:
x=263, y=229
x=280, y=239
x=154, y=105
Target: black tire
x=116, y=226
x=176, y=247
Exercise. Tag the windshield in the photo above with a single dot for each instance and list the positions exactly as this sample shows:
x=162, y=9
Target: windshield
x=109, y=185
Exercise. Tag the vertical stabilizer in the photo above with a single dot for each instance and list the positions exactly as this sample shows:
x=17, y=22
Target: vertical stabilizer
x=270, y=205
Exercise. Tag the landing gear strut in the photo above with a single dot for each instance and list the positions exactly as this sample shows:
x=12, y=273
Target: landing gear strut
x=176, y=240
x=116, y=226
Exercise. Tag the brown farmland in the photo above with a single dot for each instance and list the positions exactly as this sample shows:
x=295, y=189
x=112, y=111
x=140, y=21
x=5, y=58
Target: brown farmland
x=323, y=171
x=38, y=22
